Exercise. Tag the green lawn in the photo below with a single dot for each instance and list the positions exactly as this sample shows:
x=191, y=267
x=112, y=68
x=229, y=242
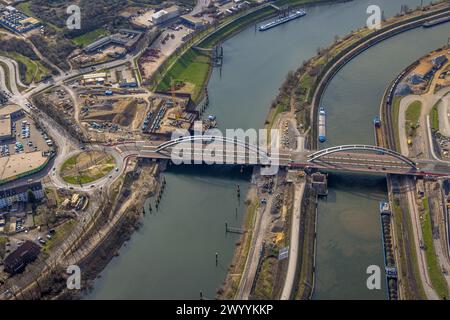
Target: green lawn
x=61, y=233
x=434, y=269
x=192, y=68
x=434, y=116
x=395, y=113
x=402, y=238
x=413, y=112
x=35, y=70
x=412, y=117
x=89, y=174
x=25, y=7
x=90, y=37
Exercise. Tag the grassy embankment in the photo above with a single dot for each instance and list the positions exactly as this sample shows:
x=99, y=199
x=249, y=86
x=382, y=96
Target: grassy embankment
x=34, y=70
x=395, y=114
x=87, y=167
x=434, y=270
x=434, y=117
x=412, y=118
x=25, y=7
x=407, y=253
x=60, y=234
x=241, y=253
x=192, y=68
x=88, y=38
x=6, y=71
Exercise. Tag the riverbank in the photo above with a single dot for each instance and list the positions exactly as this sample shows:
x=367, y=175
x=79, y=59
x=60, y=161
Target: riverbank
x=307, y=84
x=114, y=223
x=193, y=67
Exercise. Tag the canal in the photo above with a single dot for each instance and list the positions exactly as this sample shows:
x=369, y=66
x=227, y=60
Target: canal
x=173, y=255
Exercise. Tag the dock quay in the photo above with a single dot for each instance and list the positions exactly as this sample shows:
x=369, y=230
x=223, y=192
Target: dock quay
x=229, y=229
x=388, y=252
x=320, y=183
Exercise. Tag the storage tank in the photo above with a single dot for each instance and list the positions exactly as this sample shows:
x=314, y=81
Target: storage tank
x=322, y=125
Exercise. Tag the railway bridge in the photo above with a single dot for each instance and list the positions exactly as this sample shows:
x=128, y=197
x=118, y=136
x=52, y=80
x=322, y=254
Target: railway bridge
x=210, y=149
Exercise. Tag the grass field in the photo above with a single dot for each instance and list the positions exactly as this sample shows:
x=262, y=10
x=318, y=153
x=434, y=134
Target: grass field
x=402, y=240
x=412, y=117
x=264, y=284
x=192, y=68
x=395, y=113
x=35, y=70
x=434, y=269
x=90, y=37
x=434, y=117
x=87, y=167
x=60, y=234
x=413, y=112
x=25, y=7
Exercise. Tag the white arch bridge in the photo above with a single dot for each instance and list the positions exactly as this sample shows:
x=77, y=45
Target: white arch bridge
x=351, y=158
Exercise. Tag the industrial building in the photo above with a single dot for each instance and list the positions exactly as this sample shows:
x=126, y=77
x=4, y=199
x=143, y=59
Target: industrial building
x=11, y=196
x=5, y=128
x=17, y=260
x=8, y=114
x=165, y=15
x=95, y=78
x=17, y=21
x=193, y=22
x=125, y=38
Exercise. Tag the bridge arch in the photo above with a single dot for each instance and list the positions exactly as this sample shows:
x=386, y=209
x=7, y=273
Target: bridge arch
x=209, y=138
x=360, y=147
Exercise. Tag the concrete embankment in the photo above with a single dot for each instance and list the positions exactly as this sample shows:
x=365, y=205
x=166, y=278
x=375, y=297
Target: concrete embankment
x=346, y=55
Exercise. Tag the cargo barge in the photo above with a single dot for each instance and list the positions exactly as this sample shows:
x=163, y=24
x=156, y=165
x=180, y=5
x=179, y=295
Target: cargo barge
x=377, y=132
x=282, y=19
x=322, y=125
x=433, y=23
x=388, y=252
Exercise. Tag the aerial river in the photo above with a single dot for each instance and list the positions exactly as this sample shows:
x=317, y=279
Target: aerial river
x=173, y=255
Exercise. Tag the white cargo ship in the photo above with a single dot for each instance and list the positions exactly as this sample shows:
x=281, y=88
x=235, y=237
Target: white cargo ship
x=283, y=19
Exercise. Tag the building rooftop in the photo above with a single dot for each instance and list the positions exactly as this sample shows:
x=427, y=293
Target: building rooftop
x=17, y=259
x=5, y=126
x=6, y=111
x=20, y=189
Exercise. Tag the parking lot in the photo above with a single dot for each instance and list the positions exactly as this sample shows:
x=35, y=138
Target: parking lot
x=26, y=139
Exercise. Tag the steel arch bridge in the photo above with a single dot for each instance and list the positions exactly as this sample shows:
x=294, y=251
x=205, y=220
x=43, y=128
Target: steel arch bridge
x=210, y=138
x=360, y=147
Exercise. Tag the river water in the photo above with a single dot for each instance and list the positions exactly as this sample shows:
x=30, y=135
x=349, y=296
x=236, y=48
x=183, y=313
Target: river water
x=173, y=255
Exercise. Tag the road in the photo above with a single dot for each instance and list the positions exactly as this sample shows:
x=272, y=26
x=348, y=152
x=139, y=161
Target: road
x=417, y=233
x=289, y=283
x=428, y=100
x=13, y=75
x=262, y=222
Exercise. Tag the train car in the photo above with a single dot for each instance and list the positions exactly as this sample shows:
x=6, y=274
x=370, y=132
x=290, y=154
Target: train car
x=322, y=125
